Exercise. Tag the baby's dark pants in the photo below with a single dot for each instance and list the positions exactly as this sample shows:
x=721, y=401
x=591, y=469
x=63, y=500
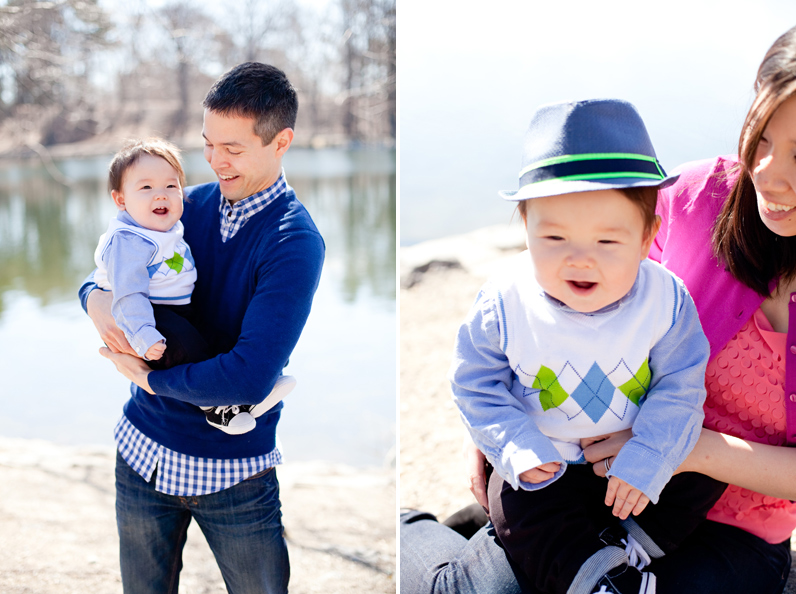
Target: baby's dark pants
x=552, y=531
x=184, y=344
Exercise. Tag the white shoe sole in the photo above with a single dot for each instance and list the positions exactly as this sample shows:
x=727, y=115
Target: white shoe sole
x=241, y=424
x=648, y=583
x=283, y=386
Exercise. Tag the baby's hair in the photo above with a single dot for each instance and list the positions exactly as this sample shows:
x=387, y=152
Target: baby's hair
x=645, y=197
x=131, y=152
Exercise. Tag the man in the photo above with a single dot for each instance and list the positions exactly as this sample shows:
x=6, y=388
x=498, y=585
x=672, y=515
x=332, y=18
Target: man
x=258, y=257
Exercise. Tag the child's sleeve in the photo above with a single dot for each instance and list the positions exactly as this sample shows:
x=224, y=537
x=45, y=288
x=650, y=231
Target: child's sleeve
x=482, y=380
x=126, y=259
x=669, y=421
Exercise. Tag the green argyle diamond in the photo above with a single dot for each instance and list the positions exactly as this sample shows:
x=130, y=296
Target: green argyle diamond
x=551, y=393
x=636, y=387
x=176, y=262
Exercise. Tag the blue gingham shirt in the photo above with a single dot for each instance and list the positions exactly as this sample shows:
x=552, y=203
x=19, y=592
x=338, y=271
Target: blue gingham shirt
x=180, y=474
x=234, y=216
x=183, y=475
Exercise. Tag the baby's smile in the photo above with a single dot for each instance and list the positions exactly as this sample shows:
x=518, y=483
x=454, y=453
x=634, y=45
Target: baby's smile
x=581, y=287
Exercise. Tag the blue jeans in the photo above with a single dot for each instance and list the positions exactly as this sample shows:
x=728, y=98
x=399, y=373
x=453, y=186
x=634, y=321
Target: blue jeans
x=715, y=559
x=436, y=559
x=242, y=525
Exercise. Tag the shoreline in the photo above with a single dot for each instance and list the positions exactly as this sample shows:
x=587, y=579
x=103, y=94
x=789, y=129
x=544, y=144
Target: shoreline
x=58, y=524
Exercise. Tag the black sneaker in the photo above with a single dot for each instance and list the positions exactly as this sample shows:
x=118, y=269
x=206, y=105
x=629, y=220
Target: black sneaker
x=283, y=386
x=626, y=579
x=230, y=419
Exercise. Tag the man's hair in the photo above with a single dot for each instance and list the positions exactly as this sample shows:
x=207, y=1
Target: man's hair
x=752, y=253
x=131, y=152
x=645, y=198
x=258, y=91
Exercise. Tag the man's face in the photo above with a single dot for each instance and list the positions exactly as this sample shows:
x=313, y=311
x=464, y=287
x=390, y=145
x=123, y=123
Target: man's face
x=237, y=155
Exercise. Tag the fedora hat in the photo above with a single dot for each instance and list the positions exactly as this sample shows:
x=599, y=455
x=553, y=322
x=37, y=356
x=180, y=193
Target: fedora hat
x=582, y=146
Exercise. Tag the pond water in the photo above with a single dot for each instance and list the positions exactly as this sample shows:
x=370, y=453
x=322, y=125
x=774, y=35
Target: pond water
x=54, y=385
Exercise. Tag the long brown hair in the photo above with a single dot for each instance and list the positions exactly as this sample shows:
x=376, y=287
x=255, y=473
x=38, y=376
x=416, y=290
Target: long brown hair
x=752, y=253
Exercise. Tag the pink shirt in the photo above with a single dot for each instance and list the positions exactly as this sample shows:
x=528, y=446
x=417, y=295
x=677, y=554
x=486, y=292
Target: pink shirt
x=746, y=399
x=726, y=308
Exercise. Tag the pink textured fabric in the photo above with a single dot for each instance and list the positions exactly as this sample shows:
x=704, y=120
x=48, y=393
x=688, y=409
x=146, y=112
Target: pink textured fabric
x=746, y=398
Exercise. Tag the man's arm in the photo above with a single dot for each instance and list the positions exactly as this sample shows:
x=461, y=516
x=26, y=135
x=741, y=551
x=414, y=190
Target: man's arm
x=287, y=277
x=126, y=258
x=97, y=304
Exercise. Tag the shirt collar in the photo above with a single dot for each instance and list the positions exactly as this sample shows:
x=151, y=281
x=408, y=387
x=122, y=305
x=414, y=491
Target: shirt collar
x=257, y=202
x=124, y=217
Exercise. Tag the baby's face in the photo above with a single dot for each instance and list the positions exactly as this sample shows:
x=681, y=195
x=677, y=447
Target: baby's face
x=151, y=193
x=586, y=247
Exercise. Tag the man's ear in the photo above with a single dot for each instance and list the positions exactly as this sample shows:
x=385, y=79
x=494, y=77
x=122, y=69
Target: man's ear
x=118, y=199
x=283, y=141
x=650, y=237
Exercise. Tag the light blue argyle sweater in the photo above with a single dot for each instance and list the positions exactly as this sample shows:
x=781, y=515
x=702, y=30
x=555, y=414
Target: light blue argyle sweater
x=532, y=376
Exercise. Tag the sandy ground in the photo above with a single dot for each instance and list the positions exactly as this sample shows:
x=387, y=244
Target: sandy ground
x=58, y=530
x=439, y=281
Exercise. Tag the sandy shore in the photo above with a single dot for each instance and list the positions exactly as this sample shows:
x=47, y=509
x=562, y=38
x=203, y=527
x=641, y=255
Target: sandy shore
x=439, y=281
x=58, y=530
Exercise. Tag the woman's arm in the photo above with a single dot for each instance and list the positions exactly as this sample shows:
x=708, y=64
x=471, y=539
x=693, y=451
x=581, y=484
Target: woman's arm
x=759, y=467
x=475, y=469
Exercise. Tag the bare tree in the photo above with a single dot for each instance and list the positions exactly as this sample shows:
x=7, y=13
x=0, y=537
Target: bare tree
x=261, y=27
x=66, y=73
x=193, y=38
x=45, y=44
x=368, y=57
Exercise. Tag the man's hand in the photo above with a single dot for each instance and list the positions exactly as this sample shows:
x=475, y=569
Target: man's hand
x=98, y=306
x=131, y=367
x=155, y=352
x=475, y=467
x=625, y=498
x=541, y=473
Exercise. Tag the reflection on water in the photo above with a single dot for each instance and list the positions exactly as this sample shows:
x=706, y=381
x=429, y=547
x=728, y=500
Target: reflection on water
x=56, y=387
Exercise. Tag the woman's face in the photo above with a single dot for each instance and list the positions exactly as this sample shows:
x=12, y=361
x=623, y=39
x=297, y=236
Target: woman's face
x=774, y=171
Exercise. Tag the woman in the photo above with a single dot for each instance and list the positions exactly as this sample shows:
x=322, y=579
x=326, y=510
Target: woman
x=728, y=231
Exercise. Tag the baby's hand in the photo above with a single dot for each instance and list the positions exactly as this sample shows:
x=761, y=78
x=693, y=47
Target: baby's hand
x=540, y=474
x=155, y=352
x=624, y=498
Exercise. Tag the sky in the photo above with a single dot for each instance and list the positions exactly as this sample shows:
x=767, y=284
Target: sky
x=470, y=79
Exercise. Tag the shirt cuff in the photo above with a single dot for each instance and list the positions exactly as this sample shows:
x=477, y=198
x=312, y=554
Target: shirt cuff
x=525, y=458
x=144, y=339
x=643, y=469
x=85, y=290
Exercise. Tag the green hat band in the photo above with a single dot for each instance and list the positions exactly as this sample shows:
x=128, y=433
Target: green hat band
x=594, y=166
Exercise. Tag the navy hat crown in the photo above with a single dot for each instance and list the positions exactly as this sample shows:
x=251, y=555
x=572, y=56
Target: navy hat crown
x=581, y=146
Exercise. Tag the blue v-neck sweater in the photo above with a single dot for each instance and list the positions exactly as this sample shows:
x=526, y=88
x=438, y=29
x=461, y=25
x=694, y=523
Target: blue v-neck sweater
x=251, y=301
